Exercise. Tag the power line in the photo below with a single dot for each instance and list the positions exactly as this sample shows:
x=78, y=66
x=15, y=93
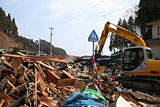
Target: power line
x=102, y=14
x=109, y=13
x=75, y=16
x=75, y=12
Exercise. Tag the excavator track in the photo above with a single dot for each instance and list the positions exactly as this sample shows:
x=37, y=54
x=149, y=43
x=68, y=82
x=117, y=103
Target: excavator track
x=144, y=84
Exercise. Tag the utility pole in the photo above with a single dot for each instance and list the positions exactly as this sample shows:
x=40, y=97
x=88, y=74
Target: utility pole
x=39, y=48
x=51, y=41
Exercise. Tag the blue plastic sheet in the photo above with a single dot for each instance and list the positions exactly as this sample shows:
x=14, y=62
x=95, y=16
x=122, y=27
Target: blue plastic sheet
x=81, y=99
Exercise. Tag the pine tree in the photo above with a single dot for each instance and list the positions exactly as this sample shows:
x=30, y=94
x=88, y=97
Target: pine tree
x=120, y=22
x=7, y=25
x=14, y=27
x=2, y=19
x=119, y=42
x=8, y=29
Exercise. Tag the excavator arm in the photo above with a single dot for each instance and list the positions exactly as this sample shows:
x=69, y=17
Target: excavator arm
x=122, y=32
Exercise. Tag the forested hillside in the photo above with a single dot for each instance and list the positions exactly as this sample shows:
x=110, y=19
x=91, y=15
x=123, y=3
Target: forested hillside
x=9, y=37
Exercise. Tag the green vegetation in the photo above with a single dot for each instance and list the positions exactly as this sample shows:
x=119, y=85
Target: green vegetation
x=45, y=46
x=119, y=42
x=148, y=11
x=7, y=24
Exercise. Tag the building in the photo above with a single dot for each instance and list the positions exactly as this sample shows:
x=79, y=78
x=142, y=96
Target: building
x=154, y=43
x=42, y=54
x=26, y=52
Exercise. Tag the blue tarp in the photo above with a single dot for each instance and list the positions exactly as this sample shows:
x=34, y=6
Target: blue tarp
x=81, y=99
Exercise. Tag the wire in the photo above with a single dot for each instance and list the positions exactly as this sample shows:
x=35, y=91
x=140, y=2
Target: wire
x=75, y=12
x=82, y=12
x=102, y=15
x=109, y=13
x=75, y=16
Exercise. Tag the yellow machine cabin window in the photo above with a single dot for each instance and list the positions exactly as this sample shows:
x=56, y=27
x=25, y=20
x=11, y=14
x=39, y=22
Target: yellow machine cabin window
x=132, y=59
x=149, y=54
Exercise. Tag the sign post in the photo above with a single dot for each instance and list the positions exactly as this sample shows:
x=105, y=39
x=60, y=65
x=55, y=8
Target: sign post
x=93, y=48
x=93, y=38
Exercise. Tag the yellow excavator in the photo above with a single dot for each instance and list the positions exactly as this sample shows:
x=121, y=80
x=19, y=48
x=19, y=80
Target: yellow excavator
x=139, y=68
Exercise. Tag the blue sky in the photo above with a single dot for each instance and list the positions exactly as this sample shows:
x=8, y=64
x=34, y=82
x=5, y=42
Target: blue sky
x=72, y=20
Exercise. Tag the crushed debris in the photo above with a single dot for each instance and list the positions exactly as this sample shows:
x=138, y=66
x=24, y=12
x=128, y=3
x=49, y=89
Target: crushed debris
x=46, y=82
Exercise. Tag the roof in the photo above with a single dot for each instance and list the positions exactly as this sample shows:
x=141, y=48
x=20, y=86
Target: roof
x=86, y=57
x=150, y=40
x=153, y=22
x=116, y=54
x=104, y=59
x=26, y=51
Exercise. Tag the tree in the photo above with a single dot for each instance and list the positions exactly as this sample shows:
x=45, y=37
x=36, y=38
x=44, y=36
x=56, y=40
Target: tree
x=2, y=19
x=7, y=24
x=148, y=11
x=118, y=42
x=8, y=27
x=14, y=27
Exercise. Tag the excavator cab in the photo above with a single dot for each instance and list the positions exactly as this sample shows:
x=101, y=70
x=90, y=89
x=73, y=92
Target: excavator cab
x=135, y=59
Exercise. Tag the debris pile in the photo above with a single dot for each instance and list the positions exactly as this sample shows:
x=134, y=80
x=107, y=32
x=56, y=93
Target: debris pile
x=33, y=81
x=46, y=82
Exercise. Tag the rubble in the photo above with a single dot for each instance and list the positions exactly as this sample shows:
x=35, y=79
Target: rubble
x=32, y=81
x=46, y=82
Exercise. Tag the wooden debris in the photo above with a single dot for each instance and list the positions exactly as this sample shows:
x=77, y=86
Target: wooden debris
x=27, y=80
x=34, y=81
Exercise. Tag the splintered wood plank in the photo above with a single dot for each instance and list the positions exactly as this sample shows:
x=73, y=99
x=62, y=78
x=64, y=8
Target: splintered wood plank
x=17, y=61
x=8, y=64
x=69, y=75
x=41, y=83
x=35, y=58
x=55, y=91
x=48, y=102
x=52, y=77
x=45, y=59
x=5, y=97
x=10, y=55
x=69, y=82
x=36, y=86
x=3, y=83
x=11, y=84
x=40, y=68
x=45, y=65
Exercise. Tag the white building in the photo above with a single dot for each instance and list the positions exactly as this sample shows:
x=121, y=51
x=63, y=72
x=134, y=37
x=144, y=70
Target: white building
x=154, y=43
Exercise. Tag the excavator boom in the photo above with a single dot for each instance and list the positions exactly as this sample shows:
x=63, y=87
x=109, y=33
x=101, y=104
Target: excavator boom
x=122, y=32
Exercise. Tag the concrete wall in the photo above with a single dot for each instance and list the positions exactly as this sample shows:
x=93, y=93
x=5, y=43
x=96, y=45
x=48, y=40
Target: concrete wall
x=155, y=29
x=155, y=46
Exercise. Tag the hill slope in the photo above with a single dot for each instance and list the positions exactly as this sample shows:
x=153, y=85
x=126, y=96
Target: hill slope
x=7, y=42
x=9, y=37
